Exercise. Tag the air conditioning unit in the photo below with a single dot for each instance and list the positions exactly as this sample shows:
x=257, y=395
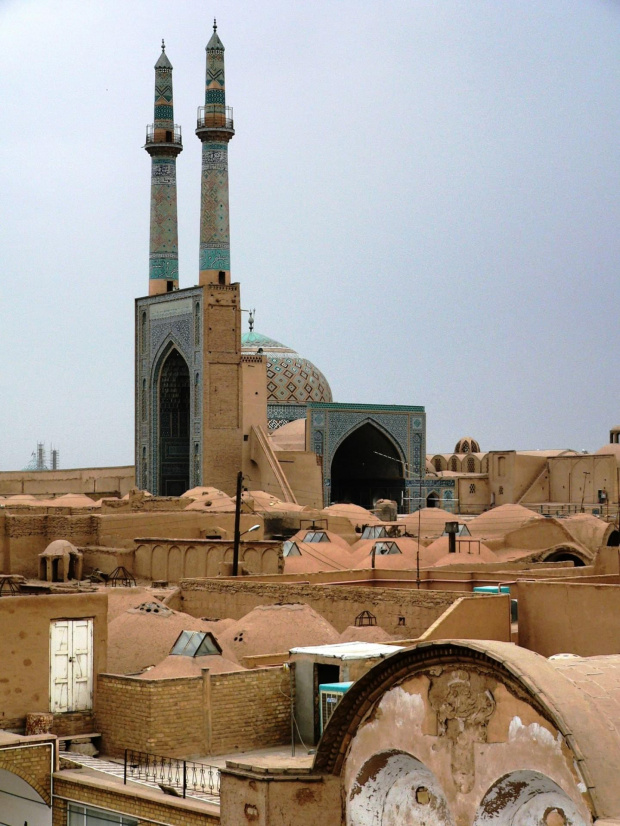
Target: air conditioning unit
x=330, y=694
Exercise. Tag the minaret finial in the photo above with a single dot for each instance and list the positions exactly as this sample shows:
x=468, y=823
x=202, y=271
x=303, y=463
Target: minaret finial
x=251, y=319
x=163, y=45
x=214, y=24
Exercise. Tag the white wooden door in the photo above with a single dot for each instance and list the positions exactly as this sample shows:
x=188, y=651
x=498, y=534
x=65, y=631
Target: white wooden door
x=71, y=665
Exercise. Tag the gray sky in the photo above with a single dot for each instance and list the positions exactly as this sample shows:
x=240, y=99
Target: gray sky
x=425, y=201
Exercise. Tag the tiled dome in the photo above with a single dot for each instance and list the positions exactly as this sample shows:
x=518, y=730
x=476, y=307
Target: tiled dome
x=290, y=377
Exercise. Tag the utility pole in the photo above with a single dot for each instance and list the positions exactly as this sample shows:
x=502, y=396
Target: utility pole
x=237, y=537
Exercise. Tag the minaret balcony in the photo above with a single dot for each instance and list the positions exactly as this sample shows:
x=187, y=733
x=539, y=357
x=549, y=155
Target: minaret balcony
x=215, y=116
x=170, y=136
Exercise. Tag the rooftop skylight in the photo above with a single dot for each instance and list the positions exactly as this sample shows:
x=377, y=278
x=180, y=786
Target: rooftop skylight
x=195, y=644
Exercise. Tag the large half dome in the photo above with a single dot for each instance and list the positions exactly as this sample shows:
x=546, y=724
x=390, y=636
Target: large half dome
x=291, y=379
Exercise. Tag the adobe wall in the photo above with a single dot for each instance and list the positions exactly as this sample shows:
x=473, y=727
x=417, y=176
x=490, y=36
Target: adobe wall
x=483, y=618
x=27, y=535
x=25, y=653
x=93, y=482
x=119, y=530
x=173, y=560
x=149, y=806
x=340, y=606
x=562, y=617
x=250, y=710
x=251, y=797
x=304, y=472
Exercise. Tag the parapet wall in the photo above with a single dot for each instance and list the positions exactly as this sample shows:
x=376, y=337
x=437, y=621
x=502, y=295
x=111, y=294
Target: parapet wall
x=404, y=612
x=187, y=716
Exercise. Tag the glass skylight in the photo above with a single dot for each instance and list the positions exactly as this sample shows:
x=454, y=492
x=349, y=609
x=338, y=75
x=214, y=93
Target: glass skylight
x=374, y=532
x=316, y=536
x=195, y=644
x=289, y=548
x=385, y=548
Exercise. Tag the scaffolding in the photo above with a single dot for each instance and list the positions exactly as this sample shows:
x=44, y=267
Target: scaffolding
x=38, y=458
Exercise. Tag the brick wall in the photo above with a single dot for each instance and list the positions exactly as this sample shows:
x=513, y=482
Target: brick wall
x=32, y=763
x=158, y=716
x=132, y=801
x=339, y=605
x=193, y=716
x=250, y=709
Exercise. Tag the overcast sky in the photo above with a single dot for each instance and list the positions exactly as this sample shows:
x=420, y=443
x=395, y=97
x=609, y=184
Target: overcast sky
x=425, y=201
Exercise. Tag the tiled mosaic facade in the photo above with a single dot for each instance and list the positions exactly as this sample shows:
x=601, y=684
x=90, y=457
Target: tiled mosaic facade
x=214, y=220
x=172, y=320
x=163, y=145
x=330, y=424
x=291, y=379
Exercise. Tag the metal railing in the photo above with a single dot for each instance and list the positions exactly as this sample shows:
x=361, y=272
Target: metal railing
x=183, y=776
x=163, y=135
x=214, y=116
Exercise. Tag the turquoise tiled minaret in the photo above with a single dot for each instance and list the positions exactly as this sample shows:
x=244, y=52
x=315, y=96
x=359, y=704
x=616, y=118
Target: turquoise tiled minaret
x=215, y=129
x=163, y=143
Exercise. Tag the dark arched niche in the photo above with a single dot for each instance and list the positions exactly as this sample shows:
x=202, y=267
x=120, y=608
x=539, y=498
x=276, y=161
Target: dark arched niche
x=174, y=399
x=367, y=466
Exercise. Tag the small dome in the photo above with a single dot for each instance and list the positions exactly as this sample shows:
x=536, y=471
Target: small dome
x=291, y=379
x=467, y=445
x=59, y=547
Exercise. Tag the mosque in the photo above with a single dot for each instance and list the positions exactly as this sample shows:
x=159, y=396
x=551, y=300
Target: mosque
x=211, y=401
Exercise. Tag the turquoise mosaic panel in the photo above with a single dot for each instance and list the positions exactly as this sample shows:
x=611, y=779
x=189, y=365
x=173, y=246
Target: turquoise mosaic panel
x=214, y=258
x=164, y=241
x=165, y=268
x=214, y=223
x=164, y=112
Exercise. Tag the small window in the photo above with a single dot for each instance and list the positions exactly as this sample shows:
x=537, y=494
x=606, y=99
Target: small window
x=169, y=286
x=289, y=548
x=453, y=463
x=168, y=136
x=471, y=464
x=78, y=815
x=143, y=333
x=222, y=277
x=472, y=488
x=501, y=490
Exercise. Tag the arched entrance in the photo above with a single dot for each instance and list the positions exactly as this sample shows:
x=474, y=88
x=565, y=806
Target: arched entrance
x=366, y=467
x=432, y=500
x=173, y=441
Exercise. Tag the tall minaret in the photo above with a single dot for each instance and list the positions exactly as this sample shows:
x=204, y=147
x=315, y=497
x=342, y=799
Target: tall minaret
x=163, y=143
x=215, y=129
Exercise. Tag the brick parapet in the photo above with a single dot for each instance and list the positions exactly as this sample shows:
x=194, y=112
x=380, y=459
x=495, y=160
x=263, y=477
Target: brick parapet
x=149, y=806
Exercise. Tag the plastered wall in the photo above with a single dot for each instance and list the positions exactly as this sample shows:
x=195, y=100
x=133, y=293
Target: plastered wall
x=25, y=651
x=561, y=617
x=339, y=606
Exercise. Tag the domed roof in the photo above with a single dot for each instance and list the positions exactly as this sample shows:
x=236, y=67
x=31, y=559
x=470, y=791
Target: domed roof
x=467, y=445
x=291, y=379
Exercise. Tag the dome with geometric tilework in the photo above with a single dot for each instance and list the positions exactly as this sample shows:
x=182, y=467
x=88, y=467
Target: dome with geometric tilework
x=291, y=379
